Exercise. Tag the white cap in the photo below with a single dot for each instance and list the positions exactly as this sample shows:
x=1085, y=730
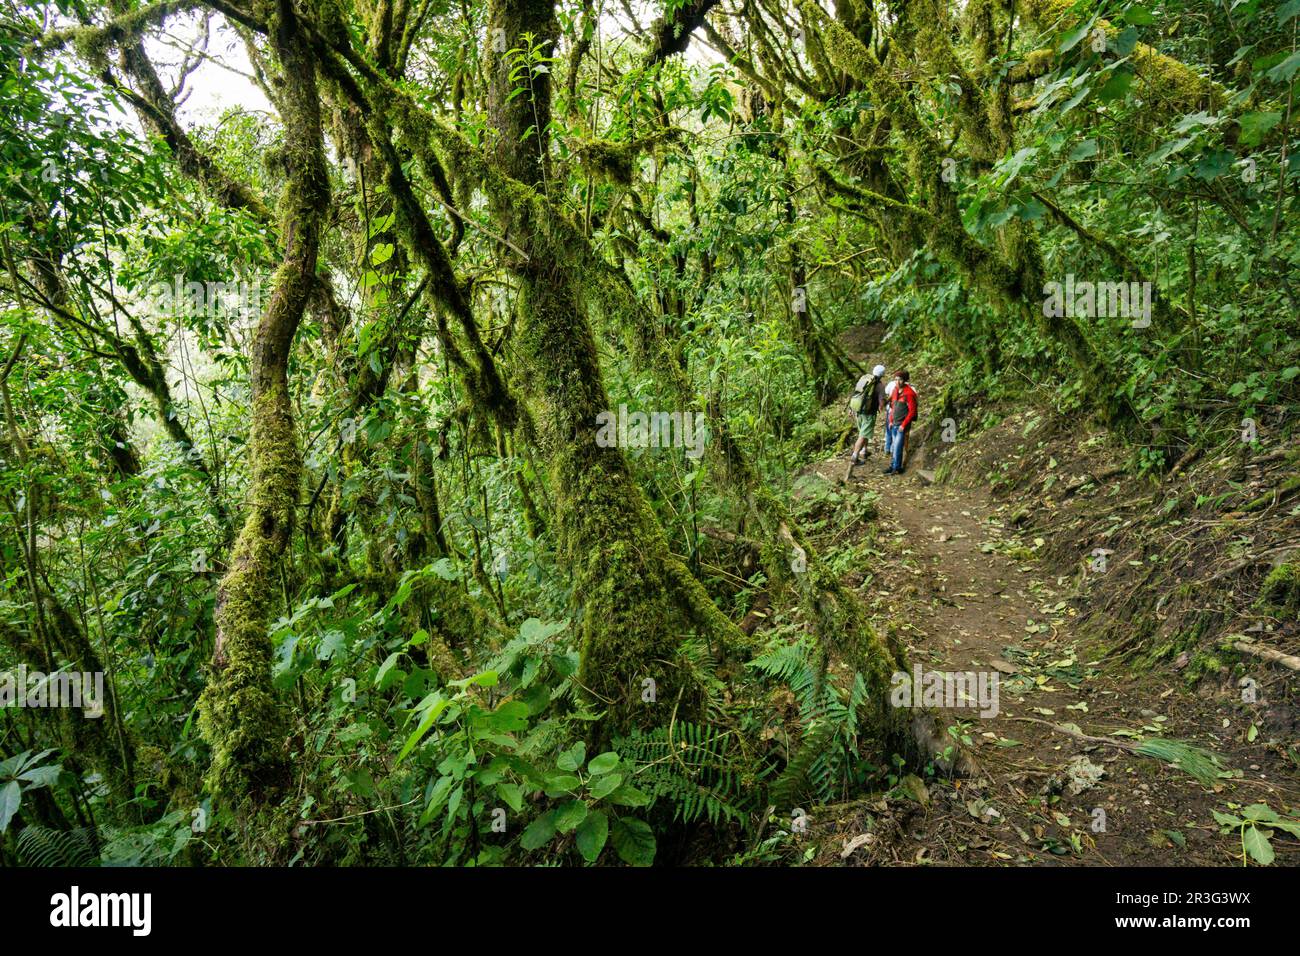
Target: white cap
x=878, y=371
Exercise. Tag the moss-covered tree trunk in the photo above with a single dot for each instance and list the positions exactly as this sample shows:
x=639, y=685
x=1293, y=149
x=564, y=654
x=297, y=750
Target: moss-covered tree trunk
x=638, y=602
x=239, y=716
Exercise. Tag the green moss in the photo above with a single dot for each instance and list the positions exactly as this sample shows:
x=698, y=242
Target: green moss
x=933, y=31
x=1200, y=665
x=1285, y=490
x=977, y=25
x=1281, y=589
x=639, y=602
x=1167, y=80
x=1036, y=63
x=457, y=618
x=93, y=43
x=615, y=160
x=238, y=714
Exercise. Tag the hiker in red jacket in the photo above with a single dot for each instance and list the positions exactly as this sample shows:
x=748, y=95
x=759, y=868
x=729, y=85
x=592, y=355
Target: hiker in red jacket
x=902, y=412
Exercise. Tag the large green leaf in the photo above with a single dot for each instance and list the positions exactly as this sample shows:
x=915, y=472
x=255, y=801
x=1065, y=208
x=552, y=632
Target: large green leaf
x=602, y=786
x=592, y=834
x=512, y=794
x=1257, y=845
x=603, y=763
x=10, y=797
x=569, y=814
x=572, y=758
x=435, y=710
x=539, y=832
x=634, y=841
x=1254, y=126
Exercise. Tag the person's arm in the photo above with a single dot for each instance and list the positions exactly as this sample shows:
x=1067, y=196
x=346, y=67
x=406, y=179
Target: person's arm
x=911, y=408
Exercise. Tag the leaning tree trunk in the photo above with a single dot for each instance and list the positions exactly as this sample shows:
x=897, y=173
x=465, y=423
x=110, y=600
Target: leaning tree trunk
x=638, y=601
x=239, y=715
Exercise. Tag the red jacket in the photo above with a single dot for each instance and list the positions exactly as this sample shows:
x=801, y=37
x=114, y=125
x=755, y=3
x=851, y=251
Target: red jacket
x=907, y=394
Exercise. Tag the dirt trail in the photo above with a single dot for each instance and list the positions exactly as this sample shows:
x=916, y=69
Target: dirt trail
x=965, y=594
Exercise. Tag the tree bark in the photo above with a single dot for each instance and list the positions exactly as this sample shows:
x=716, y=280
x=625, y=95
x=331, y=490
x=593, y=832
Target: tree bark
x=638, y=602
x=239, y=715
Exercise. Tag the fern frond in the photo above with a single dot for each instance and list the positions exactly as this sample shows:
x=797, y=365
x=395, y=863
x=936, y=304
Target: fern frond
x=783, y=662
x=812, y=772
x=1202, y=764
x=823, y=762
x=695, y=770
x=40, y=846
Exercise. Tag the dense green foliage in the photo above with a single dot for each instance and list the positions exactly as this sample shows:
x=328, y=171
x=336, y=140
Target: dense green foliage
x=296, y=398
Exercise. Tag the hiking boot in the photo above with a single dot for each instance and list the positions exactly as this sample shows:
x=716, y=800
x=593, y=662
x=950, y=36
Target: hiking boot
x=889, y=471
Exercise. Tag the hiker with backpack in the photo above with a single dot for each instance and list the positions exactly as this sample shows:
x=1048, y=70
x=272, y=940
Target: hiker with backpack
x=868, y=398
x=902, y=413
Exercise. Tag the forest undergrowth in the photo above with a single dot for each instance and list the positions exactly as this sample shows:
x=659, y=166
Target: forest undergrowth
x=424, y=432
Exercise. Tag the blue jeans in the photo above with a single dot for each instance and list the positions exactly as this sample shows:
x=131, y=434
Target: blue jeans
x=890, y=431
x=900, y=438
